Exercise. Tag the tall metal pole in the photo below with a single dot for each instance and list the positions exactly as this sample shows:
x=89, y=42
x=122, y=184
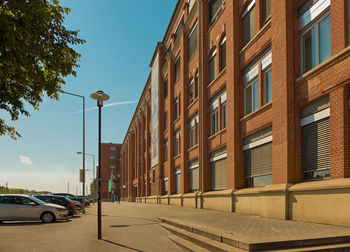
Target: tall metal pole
x=99, y=104
x=84, y=155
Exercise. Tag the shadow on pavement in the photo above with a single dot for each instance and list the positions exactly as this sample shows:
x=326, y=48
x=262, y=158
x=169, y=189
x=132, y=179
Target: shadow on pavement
x=126, y=217
x=75, y=216
x=121, y=245
x=117, y=226
x=30, y=223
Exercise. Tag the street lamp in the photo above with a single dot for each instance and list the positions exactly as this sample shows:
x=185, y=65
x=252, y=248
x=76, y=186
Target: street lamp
x=83, y=97
x=93, y=167
x=99, y=96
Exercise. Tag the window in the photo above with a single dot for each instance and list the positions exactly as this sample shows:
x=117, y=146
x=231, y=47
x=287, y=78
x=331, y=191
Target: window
x=261, y=64
x=268, y=86
x=177, y=68
x=223, y=54
x=177, y=180
x=166, y=185
x=112, y=147
x=249, y=23
x=177, y=142
x=212, y=68
x=315, y=134
x=112, y=166
x=214, y=7
x=177, y=29
x=190, y=92
x=192, y=130
x=113, y=157
x=176, y=105
x=166, y=150
x=266, y=10
x=258, y=159
x=197, y=85
x=193, y=41
x=218, y=170
x=316, y=44
x=166, y=88
x=214, y=121
x=223, y=115
x=167, y=50
x=193, y=168
x=190, y=5
x=251, y=95
x=153, y=176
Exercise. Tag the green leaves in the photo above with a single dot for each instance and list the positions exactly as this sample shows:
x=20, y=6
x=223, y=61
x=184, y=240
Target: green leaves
x=35, y=55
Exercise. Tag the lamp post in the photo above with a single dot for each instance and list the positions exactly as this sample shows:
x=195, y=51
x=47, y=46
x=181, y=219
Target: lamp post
x=83, y=97
x=99, y=96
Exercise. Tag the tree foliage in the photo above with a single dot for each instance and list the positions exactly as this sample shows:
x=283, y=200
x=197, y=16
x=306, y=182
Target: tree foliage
x=93, y=188
x=5, y=190
x=35, y=55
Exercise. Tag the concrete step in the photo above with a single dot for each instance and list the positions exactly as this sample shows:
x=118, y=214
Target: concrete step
x=336, y=243
x=186, y=245
x=200, y=240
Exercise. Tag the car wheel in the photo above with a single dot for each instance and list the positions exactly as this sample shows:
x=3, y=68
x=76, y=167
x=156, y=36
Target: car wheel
x=47, y=217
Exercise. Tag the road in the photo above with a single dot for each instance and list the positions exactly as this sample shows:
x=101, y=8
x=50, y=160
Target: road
x=125, y=227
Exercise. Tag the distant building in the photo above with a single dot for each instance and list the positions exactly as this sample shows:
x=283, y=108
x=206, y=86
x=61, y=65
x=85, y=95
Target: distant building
x=110, y=166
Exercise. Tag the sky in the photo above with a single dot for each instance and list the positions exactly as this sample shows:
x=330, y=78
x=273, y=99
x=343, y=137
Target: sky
x=121, y=38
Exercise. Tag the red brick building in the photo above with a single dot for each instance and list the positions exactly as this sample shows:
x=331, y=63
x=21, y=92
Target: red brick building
x=110, y=165
x=246, y=109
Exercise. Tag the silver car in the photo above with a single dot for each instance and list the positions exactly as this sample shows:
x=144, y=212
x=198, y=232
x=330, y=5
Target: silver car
x=14, y=207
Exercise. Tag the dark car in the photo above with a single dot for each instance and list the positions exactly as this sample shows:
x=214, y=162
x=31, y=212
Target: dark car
x=73, y=198
x=59, y=200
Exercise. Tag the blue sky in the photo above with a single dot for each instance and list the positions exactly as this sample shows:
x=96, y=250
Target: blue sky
x=121, y=37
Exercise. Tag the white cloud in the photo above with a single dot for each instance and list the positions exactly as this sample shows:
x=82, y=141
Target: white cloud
x=25, y=160
x=109, y=105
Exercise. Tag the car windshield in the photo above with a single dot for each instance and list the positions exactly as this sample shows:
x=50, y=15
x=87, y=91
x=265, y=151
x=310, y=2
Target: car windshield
x=36, y=200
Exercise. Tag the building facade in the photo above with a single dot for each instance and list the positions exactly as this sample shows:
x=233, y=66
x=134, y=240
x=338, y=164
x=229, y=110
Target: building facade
x=110, y=168
x=246, y=109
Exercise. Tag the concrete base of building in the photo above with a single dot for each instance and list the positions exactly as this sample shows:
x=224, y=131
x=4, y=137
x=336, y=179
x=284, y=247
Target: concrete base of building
x=131, y=199
x=325, y=201
x=175, y=199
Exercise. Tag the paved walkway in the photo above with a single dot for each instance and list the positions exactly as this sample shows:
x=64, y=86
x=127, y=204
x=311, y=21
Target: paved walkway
x=134, y=227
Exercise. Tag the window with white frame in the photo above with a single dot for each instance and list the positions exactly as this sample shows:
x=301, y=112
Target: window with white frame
x=251, y=81
x=178, y=180
x=193, y=41
x=214, y=121
x=222, y=54
x=214, y=8
x=191, y=92
x=192, y=130
x=166, y=87
x=113, y=147
x=315, y=33
x=176, y=108
x=212, y=66
x=315, y=135
x=218, y=108
x=177, y=142
x=248, y=23
x=166, y=185
x=178, y=26
x=218, y=170
x=177, y=68
x=190, y=5
x=257, y=151
x=223, y=115
x=267, y=85
x=193, y=168
x=112, y=166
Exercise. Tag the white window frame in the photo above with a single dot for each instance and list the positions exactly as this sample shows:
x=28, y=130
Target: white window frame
x=177, y=142
x=265, y=84
x=175, y=62
x=314, y=24
x=246, y=86
x=216, y=129
x=189, y=91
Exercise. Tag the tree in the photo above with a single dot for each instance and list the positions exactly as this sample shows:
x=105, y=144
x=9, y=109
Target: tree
x=35, y=55
x=93, y=188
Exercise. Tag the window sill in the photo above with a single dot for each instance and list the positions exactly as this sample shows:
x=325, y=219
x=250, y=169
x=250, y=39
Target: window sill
x=193, y=147
x=217, y=77
x=259, y=110
x=327, y=63
x=217, y=133
x=257, y=36
x=176, y=157
x=193, y=102
x=165, y=131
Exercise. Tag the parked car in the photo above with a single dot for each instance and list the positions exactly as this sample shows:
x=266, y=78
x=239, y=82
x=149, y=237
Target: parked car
x=87, y=202
x=14, y=207
x=72, y=197
x=90, y=199
x=59, y=200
